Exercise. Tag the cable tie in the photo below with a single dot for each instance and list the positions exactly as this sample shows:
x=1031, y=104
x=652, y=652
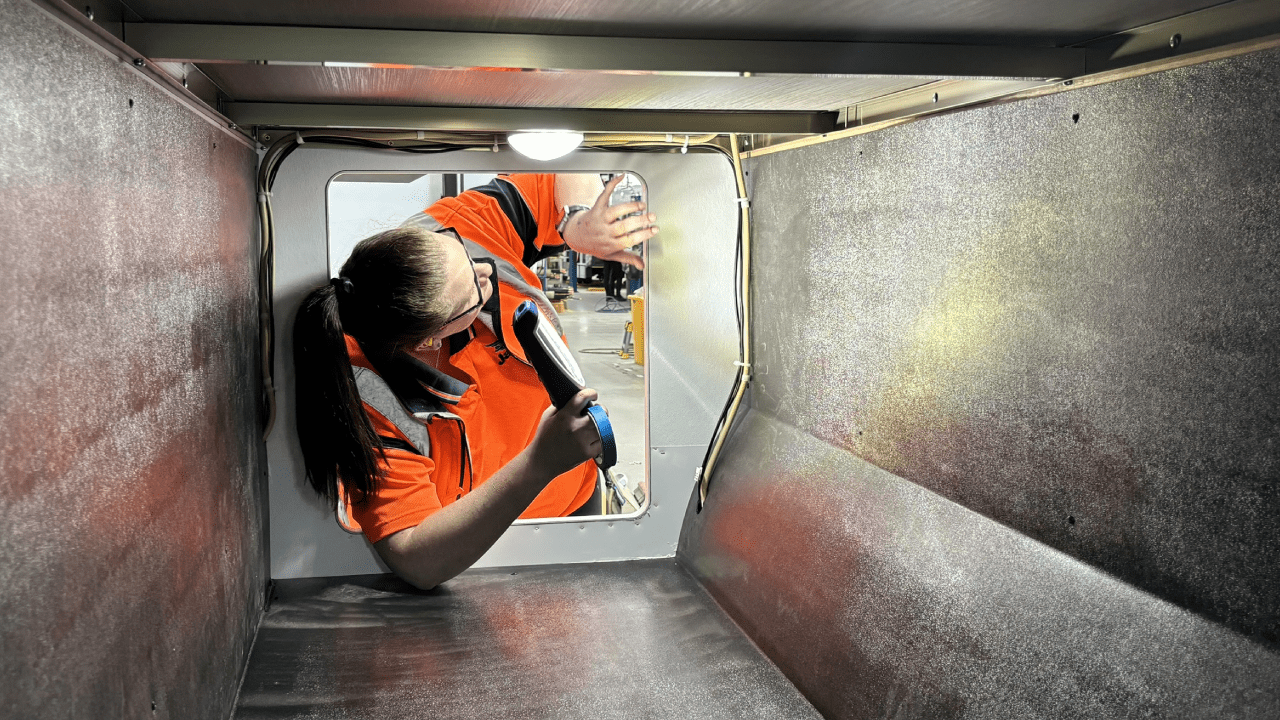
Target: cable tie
x=669, y=137
x=264, y=196
x=745, y=202
x=685, y=148
x=422, y=134
x=746, y=366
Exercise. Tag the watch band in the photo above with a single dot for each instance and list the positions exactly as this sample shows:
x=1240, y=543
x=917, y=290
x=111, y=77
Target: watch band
x=569, y=212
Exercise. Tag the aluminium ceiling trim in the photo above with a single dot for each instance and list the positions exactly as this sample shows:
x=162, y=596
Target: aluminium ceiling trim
x=433, y=48
x=481, y=119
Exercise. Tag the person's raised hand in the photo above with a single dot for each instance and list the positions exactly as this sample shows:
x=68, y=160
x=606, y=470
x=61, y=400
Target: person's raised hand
x=604, y=232
x=567, y=437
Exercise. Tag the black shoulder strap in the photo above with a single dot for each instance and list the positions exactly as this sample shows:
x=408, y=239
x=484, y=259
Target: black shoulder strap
x=389, y=441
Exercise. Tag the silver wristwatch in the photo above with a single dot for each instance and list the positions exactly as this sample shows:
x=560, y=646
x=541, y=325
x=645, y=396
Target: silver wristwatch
x=569, y=212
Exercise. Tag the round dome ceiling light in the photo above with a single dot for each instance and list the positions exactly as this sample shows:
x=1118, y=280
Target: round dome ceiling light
x=544, y=144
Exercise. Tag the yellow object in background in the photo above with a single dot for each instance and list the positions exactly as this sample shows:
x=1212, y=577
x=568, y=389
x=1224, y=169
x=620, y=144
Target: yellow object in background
x=637, y=326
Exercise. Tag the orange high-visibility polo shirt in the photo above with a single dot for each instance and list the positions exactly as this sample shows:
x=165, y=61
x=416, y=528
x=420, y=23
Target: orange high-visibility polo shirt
x=504, y=400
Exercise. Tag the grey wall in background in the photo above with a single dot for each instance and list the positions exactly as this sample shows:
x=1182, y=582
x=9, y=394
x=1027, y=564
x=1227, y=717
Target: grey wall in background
x=131, y=478
x=1017, y=391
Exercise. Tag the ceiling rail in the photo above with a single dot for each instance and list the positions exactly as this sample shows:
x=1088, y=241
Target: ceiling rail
x=434, y=48
x=481, y=119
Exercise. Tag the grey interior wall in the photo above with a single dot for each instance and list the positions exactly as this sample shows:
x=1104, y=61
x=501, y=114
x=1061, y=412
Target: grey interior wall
x=131, y=480
x=1012, y=443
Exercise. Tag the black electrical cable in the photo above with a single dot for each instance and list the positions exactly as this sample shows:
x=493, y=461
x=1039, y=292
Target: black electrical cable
x=738, y=380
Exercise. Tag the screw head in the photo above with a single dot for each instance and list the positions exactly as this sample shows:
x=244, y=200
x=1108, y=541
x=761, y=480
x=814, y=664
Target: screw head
x=935, y=97
x=184, y=82
x=1176, y=40
x=88, y=12
x=267, y=138
x=139, y=62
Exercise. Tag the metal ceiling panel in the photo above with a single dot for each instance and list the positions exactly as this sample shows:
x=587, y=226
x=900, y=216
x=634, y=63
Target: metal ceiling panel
x=569, y=89
x=194, y=42
x=1022, y=22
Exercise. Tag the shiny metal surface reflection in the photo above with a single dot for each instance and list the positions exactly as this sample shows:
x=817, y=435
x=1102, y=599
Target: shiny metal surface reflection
x=638, y=639
x=466, y=87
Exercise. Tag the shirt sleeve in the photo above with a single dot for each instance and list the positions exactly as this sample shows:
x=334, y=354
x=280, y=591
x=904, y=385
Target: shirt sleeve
x=514, y=216
x=406, y=497
x=539, y=193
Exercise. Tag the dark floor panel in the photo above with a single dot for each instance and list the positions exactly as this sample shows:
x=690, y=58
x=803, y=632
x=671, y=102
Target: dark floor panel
x=639, y=639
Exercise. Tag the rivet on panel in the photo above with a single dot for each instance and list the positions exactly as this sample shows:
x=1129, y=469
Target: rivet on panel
x=582, y=527
x=184, y=82
x=139, y=62
x=935, y=97
x=88, y=12
x=1176, y=40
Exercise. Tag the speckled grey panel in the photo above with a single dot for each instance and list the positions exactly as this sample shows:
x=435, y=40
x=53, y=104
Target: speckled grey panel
x=881, y=599
x=616, y=640
x=1058, y=313
x=131, y=477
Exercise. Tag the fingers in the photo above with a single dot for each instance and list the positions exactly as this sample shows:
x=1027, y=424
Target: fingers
x=625, y=256
x=616, y=212
x=632, y=225
x=578, y=403
x=603, y=200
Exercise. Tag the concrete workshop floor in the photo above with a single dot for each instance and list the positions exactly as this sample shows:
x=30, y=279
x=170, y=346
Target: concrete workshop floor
x=619, y=381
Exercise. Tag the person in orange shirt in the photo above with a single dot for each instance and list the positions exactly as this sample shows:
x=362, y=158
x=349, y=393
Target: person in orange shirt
x=418, y=416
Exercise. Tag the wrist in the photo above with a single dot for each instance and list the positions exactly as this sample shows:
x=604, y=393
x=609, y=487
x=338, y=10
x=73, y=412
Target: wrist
x=536, y=464
x=571, y=212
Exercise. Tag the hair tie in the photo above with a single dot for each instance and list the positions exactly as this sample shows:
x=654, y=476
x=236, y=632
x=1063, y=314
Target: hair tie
x=343, y=283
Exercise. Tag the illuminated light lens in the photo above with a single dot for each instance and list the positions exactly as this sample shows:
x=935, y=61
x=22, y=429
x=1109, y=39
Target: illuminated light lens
x=545, y=144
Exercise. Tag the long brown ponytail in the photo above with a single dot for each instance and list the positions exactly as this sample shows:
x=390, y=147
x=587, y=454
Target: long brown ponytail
x=387, y=296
